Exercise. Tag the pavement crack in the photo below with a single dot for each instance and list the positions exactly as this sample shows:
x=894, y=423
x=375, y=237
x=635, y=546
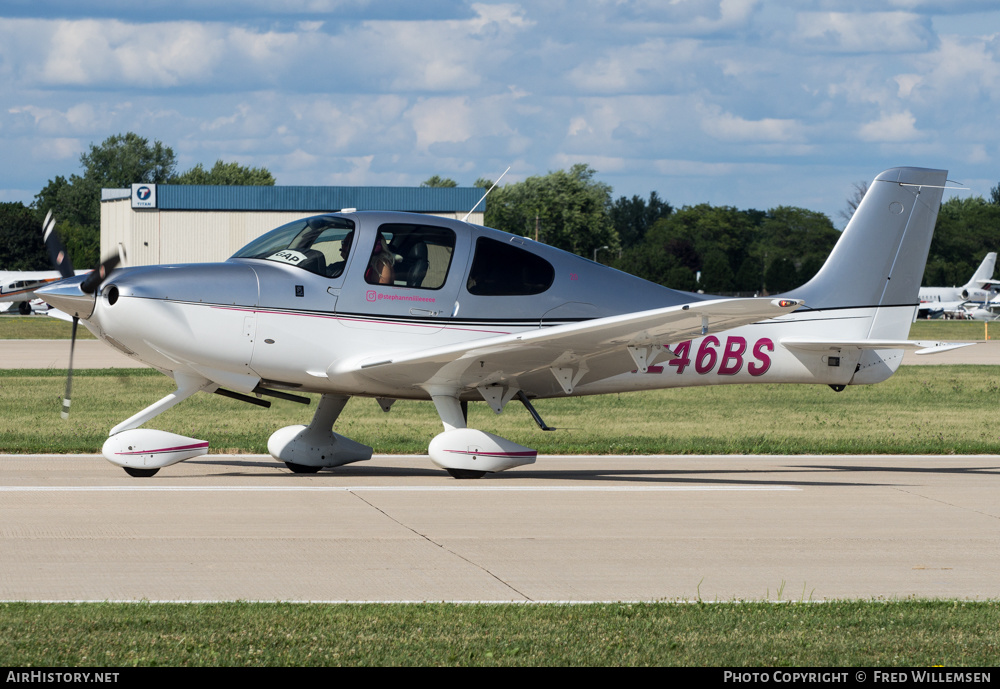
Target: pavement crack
x=949, y=504
x=442, y=546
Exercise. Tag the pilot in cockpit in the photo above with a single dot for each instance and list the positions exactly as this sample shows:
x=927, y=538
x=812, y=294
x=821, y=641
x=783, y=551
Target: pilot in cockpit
x=380, y=269
x=336, y=269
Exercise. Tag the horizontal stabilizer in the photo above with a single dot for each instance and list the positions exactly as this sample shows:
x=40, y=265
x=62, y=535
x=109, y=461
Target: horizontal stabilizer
x=916, y=346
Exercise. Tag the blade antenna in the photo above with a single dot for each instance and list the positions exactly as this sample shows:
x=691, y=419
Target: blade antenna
x=486, y=194
x=69, y=375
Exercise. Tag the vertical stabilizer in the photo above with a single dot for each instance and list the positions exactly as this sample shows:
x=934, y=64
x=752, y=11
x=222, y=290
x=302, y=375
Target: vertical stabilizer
x=880, y=257
x=984, y=273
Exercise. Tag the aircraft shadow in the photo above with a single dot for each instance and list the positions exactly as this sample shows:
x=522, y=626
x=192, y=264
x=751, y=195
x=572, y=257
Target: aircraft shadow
x=666, y=476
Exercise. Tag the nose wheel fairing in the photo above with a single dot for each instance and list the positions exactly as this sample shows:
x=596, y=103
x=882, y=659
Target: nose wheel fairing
x=149, y=449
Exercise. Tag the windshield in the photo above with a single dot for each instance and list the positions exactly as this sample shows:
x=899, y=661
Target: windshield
x=320, y=245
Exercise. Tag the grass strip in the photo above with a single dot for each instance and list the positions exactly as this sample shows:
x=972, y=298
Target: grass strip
x=920, y=410
x=835, y=634
x=39, y=328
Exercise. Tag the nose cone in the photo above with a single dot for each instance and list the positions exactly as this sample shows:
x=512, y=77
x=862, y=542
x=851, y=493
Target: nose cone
x=67, y=296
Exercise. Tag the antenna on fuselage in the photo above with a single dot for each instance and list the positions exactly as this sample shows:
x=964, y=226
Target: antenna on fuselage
x=486, y=194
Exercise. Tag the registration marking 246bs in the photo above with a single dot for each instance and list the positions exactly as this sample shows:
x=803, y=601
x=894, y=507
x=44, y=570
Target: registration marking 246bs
x=725, y=360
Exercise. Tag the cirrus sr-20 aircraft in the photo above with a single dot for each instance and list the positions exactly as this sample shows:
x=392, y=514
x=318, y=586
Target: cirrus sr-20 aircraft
x=403, y=306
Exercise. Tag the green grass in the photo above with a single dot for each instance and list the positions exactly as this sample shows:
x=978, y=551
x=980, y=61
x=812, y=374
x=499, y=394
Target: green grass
x=962, y=331
x=839, y=634
x=39, y=328
x=920, y=410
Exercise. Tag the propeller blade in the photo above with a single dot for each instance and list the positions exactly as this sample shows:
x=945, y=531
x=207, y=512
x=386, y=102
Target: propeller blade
x=100, y=274
x=69, y=376
x=57, y=252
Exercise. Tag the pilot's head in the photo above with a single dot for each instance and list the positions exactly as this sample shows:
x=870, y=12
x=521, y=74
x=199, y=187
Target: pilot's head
x=345, y=244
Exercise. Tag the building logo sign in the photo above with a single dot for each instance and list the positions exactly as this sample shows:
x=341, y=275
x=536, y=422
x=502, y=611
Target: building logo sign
x=143, y=196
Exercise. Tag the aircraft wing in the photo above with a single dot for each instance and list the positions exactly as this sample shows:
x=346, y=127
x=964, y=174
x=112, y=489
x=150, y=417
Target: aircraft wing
x=919, y=347
x=599, y=347
x=61, y=315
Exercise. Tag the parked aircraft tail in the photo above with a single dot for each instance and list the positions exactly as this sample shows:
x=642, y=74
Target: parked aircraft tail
x=983, y=274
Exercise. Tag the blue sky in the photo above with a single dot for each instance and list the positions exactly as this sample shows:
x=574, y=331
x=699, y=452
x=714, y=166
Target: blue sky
x=749, y=103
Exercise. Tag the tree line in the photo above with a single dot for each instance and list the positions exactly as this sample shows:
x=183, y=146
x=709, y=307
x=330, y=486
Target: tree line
x=715, y=249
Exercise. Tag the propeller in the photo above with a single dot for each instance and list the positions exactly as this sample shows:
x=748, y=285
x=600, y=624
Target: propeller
x=99, y=274
x=61, y=261
x=57, y=252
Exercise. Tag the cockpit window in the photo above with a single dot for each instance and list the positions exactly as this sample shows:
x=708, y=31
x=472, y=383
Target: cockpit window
x=502, y=270
x=320, y=245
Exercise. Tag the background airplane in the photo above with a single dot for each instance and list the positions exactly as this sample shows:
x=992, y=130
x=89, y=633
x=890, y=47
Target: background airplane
x=467, y=313
x=980, y=289
x=17, y=289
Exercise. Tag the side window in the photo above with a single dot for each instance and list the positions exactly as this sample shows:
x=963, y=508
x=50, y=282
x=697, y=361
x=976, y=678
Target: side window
x=503, y=270
x=407, y=255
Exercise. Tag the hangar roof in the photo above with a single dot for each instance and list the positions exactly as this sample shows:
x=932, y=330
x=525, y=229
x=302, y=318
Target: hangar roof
x=258, y=198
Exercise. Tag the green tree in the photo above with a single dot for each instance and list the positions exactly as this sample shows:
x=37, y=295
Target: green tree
x=437, y=181
x=75, y=201
x=689, y=236
x=803, y=237
x=21, y=246
x=568, y=208
x=632, y=217
x=681, y=278
x=750, y=276
x=225, y=174
x=716, y=273
x=125, y=159
x=781, y=276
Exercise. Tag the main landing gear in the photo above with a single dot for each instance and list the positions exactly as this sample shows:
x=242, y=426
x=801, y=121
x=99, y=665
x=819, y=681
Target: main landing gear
x=465, y=453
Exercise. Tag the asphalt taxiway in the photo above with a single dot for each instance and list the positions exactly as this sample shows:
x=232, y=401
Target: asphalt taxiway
x=605, y=528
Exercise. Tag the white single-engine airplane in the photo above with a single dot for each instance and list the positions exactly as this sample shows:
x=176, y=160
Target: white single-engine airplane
x=402, y=306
